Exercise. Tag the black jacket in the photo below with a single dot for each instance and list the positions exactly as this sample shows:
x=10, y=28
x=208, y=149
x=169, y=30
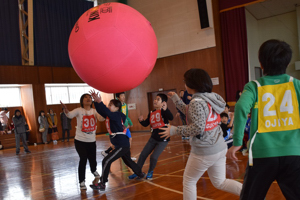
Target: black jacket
x=166, y=116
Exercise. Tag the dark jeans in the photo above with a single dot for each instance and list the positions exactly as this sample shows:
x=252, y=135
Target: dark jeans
x=86, y=151
x=258, y=178
x=154, y=146
x=64, y=132
x=123, y=152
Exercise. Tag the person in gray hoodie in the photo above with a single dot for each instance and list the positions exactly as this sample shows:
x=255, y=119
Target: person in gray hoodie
x=208, y=149
x=20, y=131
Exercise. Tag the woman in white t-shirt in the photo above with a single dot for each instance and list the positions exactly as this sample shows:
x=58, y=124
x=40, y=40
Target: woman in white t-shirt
x=85, y=136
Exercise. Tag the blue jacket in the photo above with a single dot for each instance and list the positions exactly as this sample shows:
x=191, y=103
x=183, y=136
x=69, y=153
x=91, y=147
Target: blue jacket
x=116, y=119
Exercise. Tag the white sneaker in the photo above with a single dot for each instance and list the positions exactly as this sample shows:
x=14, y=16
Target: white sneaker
x=82, y=185
x=96, y=174
x=103, y=153
x=133, y=158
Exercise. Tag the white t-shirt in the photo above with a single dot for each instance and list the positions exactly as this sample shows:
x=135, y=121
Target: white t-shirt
x=86, y=123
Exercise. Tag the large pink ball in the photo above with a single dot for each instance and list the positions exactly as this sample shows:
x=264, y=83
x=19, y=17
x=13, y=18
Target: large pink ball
x=113, y=47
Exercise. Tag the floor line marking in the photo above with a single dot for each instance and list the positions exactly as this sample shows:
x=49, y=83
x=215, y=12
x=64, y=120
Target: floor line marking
x=176, y=191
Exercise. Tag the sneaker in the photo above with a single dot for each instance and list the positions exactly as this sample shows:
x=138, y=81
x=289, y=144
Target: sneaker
x=17, y=153
x=103, y=153
x=149, y=175
x=133, y=158
x=27, y=151
x=141, y=176
x=187, y=138
x=183, y=138
x=133, y=176
x=101, y=186
x=82, y=185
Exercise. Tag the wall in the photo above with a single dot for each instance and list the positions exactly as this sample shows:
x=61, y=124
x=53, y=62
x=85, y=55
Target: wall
x=282, y=27
x=177, y=25
x=167, y=74
x=253, y=44
x=33, y=93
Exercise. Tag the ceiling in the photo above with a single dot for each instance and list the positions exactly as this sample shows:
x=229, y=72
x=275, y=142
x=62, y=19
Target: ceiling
x=270, y=8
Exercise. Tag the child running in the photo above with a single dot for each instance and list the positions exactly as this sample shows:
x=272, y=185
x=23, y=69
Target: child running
x=157, y=118
x=274, y=151
x=115, y=127
x=208, y=148
x=128, y=123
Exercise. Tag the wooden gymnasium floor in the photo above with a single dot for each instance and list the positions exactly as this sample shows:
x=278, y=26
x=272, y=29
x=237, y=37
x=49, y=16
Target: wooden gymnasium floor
x=50, y=172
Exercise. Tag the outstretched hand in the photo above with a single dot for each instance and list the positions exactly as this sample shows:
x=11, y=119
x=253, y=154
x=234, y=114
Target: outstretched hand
x=96, y=96
x=64, y=107
x=164, y=105
x=231, y=152
x=141, y=118
x=166, y=133
x=170, y=94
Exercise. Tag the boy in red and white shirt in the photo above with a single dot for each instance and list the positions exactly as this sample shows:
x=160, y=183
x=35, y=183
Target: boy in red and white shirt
x=156, y=119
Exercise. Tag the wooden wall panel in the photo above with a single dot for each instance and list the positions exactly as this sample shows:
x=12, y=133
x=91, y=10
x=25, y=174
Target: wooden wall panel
x=29, y=111
x=45, y=75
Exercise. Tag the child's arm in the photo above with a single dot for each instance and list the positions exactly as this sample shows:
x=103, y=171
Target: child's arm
x=143, y=122
x=99, y=117
x=180, y=105
x=69, y=114
x=196, y=127
x=231, y=121
x=100, y=107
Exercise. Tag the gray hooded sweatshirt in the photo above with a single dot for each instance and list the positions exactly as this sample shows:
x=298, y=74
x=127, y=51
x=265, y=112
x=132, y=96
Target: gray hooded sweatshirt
x=210, y=142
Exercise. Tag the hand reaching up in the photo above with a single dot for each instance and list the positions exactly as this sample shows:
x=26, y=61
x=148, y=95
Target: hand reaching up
x=64, y=107
x=96, y=96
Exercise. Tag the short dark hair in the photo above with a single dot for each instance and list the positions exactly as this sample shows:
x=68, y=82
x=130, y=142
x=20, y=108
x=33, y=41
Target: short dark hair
x=118, y=94
x=4, y=109
x=40, y=114
x=199, y=80
x=17, y=110
x=164, y=98
x=274, y=56
x=227, y=106
x=116, y=103
x=81, y=99
x=224, y=115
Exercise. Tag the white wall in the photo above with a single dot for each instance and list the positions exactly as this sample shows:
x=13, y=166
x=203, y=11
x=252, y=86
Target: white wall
x=282, y=27
x=176, y=24
x=253, y=44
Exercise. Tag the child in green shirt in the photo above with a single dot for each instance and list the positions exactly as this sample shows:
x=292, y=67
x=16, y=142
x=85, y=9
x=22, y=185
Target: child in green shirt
x=274, y=151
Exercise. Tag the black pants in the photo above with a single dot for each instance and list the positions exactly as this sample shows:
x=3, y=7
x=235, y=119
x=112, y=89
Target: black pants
x=258, y=178
x=86, y=151
x=123, y=152
x=64, y=132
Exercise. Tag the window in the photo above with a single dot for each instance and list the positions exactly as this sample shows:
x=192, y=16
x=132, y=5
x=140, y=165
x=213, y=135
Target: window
x=67, y=93
x=10, y=96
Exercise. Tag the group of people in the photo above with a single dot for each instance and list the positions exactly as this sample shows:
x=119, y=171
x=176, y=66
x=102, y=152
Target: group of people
x=274, y=150
x=48, y=125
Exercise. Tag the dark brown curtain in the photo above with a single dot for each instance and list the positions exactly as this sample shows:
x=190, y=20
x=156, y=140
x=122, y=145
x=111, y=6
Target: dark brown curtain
x=235, y=52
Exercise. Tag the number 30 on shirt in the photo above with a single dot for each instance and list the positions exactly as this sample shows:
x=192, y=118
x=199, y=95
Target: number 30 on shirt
x=278, y=108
